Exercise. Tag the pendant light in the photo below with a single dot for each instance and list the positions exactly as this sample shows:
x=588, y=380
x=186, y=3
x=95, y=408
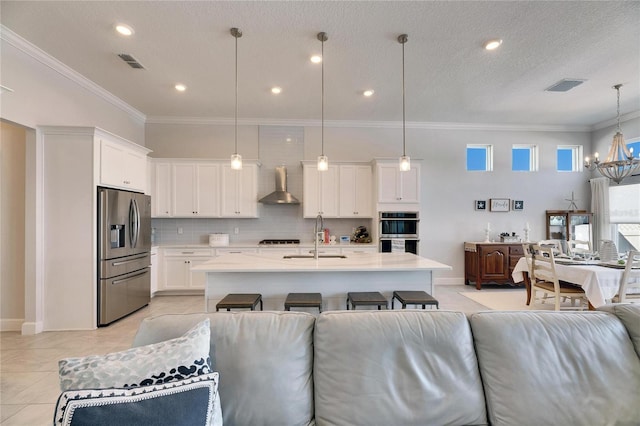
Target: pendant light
x=323, y=160
x=405, y=161
x=236, y=159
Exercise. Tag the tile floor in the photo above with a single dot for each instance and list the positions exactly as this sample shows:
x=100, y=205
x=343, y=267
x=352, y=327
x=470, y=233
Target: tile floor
x=29, y=364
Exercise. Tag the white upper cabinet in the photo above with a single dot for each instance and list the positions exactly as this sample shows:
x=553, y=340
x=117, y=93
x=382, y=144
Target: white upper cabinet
x=239, y=191
x=320, y=191
x=161, y=190
x=356, y=191
x=192, y=188
x=123, y=164
x=395, y=186
x=195, y=190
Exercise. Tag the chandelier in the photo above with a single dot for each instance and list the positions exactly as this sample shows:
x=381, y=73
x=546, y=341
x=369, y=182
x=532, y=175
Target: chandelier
x=620, y=162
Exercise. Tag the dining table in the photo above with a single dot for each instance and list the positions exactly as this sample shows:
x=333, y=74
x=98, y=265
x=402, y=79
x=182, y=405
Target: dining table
x=599, y=280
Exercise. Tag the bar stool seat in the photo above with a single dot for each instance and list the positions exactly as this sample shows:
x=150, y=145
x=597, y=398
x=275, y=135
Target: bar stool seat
x=414, y=298
x=366, y=298
x=240, y=300
x=303, y=300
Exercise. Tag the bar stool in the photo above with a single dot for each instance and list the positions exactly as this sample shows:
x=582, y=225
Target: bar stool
x=303, y=300
x=240, y=300
x=414, y=298
x=366, y=298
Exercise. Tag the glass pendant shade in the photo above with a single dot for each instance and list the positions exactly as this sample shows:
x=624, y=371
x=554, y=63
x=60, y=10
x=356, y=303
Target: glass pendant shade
x=323, y=163
x=236, y=161
x=405, y=163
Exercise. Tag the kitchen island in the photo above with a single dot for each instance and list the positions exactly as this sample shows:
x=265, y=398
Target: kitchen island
x=275, y=275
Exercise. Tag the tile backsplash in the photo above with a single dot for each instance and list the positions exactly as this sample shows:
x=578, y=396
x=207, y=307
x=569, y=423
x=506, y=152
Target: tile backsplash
x=278, y=146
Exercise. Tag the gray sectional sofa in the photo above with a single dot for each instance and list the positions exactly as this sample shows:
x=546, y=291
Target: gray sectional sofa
x=421, y=367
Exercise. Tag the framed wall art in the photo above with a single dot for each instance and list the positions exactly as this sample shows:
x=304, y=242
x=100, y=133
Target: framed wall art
x=481, y=204
x=499, y=204
x=518, y=205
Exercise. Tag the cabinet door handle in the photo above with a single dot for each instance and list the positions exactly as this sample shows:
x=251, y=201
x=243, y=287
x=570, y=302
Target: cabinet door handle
x=188, y=252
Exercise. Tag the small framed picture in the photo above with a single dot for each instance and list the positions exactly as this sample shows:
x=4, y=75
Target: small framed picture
x=499, y=204
x=344, y=239
x=518, y=205
x=481, y=204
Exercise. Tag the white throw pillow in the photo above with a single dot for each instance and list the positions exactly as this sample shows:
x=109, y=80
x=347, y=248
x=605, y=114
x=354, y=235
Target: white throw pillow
x=176, y=359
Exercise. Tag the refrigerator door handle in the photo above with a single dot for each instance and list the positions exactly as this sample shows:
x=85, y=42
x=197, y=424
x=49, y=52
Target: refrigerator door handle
x=129, y=260
x=134, y=221
x=129, y=278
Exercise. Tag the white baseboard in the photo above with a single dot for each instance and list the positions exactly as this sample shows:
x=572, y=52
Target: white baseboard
x=448, y=281
x=11, y=324
x=30, y=328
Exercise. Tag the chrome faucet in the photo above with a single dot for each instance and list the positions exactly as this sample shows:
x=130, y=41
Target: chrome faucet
x=317, y=231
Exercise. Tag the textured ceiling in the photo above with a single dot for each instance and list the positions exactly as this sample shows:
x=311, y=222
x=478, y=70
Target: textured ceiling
x=449, y=77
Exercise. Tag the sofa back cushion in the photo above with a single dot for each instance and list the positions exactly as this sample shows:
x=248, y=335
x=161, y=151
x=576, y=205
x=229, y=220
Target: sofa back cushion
x=560, y=368
x=265, y=361
x=629, y=314
x=396, y=368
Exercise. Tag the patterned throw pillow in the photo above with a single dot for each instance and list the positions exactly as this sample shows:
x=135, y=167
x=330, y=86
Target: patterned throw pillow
x=187, y=402
x=176, y=359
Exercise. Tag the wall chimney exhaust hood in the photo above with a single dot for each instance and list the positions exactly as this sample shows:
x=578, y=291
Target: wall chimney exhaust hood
x=280, y=195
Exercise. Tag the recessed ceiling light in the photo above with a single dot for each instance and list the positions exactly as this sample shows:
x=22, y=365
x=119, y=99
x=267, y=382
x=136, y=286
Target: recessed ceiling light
x=316, y=59
x=368, y=93
x=492, y=44
x=276, y=90
x=124, y=29
x=180, y=87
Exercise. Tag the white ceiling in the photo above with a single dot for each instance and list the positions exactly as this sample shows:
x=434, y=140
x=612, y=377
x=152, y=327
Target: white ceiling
x=449, y=77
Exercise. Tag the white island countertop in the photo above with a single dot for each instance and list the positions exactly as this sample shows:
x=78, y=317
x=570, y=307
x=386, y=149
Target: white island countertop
x=274, y=276
x=355, y=262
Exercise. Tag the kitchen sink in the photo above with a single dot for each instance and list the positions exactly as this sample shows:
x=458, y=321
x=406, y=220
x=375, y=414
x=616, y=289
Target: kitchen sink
x=310, y=256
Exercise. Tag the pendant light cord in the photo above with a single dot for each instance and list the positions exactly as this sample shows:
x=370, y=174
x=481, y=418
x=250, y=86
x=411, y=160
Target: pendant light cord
x=322, y=38
x=617, y=87
x=404, y=151
x=236, y=116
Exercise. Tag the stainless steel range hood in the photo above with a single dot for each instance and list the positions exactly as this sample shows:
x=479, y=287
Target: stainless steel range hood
x=280, y=195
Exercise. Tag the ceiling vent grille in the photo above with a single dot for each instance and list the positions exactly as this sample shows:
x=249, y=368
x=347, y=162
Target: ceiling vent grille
x=564, y=85
x=131, y=61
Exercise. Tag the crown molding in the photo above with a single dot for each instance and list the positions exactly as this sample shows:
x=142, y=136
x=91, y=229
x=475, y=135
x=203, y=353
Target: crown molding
x=366, y=124
x=614, y=121
x=44, y=58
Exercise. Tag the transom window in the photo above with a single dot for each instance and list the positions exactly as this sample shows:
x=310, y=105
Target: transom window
x=569, y=158
x=524, y=158
x=480, y=158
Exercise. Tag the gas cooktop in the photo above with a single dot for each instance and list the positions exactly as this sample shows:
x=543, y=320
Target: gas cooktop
x=276, y=242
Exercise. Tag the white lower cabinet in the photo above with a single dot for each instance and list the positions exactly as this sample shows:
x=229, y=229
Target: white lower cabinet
x=176, y=268
x=153, y=270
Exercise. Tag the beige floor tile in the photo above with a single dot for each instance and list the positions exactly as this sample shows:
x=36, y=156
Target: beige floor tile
x=8, y=410
x=32, y=415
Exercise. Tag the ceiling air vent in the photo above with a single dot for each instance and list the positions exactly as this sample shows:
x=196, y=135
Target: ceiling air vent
x=564, y=85
x=133, y=62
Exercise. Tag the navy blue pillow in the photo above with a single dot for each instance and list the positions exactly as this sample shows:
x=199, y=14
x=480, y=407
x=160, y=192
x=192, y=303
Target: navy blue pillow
x=188, y=402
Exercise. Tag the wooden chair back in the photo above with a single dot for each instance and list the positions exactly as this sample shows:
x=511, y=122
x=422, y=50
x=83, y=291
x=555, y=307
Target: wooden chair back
x=630, y=279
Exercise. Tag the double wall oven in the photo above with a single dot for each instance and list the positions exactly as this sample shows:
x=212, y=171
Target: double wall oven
x=399, y=231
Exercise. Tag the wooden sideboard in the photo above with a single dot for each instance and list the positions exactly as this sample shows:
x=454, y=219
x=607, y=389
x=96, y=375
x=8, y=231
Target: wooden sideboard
x=490, y=262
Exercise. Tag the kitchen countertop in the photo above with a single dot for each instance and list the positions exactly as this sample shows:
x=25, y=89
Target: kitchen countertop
x=249, y=262
x=267, y=246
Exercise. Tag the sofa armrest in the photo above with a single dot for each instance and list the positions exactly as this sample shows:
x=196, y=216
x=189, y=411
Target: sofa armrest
x=629, y=314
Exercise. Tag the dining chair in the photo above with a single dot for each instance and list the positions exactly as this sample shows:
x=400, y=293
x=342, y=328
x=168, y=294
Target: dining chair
x=545, y=280
x=556, y=245
x=578, y=247
x=630, y=280
x=527, y=249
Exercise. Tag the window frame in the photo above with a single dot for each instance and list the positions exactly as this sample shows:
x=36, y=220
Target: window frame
x=577, y=164
x=533, y=156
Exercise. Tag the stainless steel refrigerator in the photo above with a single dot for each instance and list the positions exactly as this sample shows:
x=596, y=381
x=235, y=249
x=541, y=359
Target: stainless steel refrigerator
x=124, y=258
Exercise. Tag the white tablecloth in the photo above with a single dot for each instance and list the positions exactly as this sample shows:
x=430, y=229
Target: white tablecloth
x=600, y=283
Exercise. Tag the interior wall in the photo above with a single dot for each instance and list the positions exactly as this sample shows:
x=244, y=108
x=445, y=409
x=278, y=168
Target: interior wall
x=448, y=191
x=12, y=225
x=42, y=95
